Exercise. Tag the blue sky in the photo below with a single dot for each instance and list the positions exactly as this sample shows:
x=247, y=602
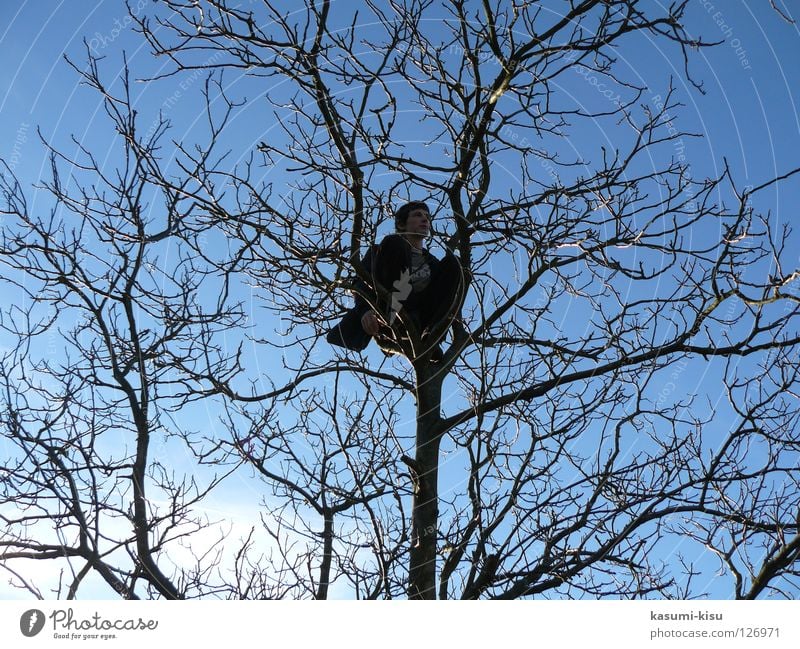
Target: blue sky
x=748, y=114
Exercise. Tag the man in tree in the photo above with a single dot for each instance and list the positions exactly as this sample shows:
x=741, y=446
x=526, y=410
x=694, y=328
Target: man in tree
x=418, y=288
x=610, y=274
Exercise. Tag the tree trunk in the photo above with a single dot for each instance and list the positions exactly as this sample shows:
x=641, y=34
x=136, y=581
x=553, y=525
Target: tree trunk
x=425, y=508
x=327, y=556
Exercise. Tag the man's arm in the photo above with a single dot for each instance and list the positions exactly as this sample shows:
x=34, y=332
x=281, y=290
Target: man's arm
x=363, y=291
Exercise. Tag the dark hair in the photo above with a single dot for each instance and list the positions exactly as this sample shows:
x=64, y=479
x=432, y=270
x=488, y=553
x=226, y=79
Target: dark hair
x=401, y=215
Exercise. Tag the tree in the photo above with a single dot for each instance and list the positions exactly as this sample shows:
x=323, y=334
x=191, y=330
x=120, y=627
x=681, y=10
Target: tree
x=574, y=459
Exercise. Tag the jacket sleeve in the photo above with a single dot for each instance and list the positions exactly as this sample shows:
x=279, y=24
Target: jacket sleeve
x=360, y=287
x=348, y=332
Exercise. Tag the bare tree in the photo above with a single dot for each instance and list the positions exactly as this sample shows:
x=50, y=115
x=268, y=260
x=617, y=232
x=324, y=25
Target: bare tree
x=88, y=402
x=574, y=457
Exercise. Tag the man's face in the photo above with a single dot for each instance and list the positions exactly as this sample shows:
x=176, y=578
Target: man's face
x=418, y=222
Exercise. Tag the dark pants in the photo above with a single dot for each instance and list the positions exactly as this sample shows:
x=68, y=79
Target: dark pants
x=439, y=299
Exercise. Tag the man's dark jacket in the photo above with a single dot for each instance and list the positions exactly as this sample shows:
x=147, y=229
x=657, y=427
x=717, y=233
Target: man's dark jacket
x=385, y=262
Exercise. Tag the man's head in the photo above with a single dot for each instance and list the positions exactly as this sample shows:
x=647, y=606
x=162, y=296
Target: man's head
x=415, y=209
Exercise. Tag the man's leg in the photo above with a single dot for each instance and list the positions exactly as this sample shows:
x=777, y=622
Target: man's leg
x=439, y=301
x=443, y=295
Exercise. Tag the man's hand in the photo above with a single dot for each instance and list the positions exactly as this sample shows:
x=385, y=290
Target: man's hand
x=370, y=323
